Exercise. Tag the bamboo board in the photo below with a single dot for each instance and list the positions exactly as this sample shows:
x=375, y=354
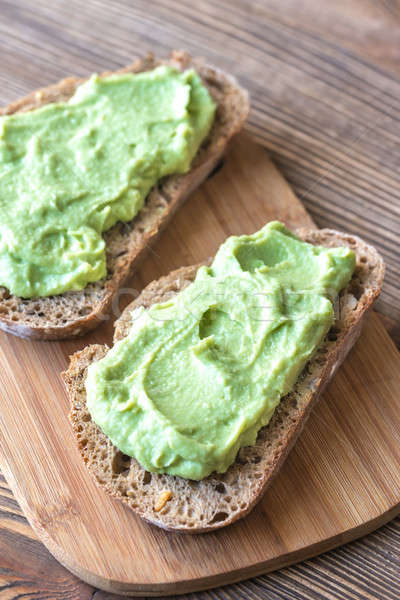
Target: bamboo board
x=341, y=480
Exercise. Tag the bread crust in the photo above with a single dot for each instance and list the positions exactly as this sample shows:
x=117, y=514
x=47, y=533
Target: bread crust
x=218, y=500
x=74, y=313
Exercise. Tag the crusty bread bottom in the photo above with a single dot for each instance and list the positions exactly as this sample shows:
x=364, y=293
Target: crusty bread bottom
x=74, y=313
x=219, y=500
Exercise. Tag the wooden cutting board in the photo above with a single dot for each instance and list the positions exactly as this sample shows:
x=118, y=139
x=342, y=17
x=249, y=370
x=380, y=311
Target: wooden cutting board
x=341, y=481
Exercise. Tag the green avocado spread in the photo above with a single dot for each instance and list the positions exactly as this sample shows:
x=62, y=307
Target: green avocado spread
x=70, y=170
x=200, y=374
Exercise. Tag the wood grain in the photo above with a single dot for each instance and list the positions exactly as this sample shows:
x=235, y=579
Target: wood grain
x=27, y=568
x=41, y=42
x=340, y=481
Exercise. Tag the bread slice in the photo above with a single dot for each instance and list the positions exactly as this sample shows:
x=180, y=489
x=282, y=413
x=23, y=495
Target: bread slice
x=188, y=506
x=74, y=313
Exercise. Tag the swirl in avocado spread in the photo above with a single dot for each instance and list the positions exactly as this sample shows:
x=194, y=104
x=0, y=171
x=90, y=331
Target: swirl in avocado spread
x=70, y=170
x=200, y=374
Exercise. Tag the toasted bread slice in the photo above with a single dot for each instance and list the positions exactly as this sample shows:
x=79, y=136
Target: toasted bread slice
x=74, y=313
x=218, y=500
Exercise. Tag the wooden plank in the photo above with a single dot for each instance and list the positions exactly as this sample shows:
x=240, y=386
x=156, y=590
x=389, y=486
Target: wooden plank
x=339, y=482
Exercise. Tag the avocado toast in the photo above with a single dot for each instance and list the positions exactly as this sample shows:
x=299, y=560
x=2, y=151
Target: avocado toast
x=73, y=313
x=180, y=504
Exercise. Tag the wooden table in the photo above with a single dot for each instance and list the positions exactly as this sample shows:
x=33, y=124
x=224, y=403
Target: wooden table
x=324, y=79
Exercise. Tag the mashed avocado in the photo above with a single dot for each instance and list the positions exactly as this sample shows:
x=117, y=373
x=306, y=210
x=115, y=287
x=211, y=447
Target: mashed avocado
x=70, y=170
x=200, y=374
